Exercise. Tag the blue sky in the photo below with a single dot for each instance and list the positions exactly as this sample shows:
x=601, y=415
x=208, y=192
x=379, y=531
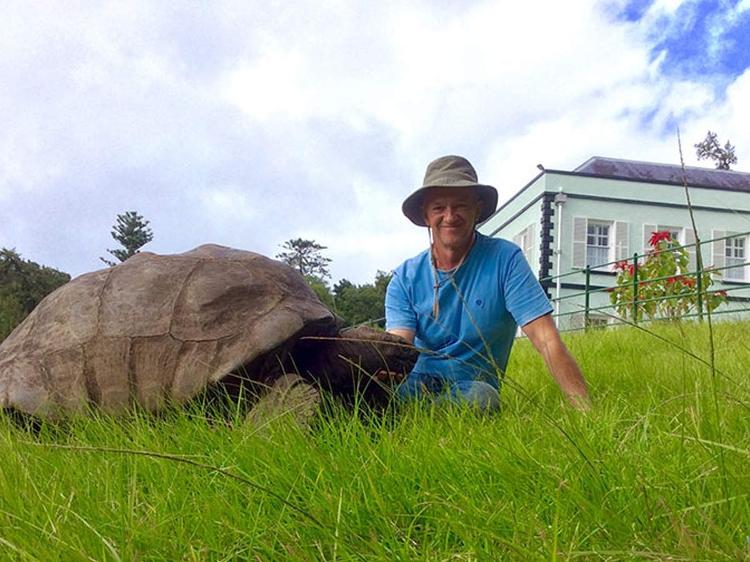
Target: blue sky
x=250, y=123
x=699, y=39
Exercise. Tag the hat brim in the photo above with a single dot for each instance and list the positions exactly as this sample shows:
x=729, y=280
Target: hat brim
x=413, y=206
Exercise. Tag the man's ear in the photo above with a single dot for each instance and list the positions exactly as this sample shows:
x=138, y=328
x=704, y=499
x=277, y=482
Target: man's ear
x=477, y=209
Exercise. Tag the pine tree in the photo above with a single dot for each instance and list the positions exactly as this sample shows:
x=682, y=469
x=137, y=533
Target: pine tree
x=305, y=256
x=710, y=149
x=132, y=232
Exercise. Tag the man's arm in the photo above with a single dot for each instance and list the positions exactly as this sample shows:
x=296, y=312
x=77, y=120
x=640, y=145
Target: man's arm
x=563, y=368
x=403, y=333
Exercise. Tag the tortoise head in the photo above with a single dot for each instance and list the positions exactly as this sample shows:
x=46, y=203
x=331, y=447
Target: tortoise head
x=346, y=364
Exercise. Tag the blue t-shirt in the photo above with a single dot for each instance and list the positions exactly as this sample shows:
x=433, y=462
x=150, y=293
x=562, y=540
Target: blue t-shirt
x=480, y=307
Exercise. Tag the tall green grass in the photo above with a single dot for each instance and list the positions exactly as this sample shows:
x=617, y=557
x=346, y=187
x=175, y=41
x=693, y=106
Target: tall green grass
x=636, y=478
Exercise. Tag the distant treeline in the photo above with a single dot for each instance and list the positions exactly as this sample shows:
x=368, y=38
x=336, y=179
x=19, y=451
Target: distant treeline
x=355, y=304
x=23, y=284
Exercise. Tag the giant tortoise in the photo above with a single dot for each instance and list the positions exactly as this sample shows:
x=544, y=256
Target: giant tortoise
x=160, y=329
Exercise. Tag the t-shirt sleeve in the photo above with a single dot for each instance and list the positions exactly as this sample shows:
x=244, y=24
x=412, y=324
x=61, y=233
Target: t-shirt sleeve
x=524, y=297
x=399, y=313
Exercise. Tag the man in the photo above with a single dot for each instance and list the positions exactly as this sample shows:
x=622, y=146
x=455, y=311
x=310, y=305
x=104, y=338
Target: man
x=460, y=301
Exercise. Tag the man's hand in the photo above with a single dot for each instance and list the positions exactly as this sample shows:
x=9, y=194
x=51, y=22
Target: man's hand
x=392, y=377
x=563, y=368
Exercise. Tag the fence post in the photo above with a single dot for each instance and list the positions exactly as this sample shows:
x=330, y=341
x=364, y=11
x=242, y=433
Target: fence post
x=635, y=288
x=586, y=321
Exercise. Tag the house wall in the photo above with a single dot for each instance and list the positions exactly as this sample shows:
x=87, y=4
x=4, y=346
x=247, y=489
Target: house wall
x=642, y=207
x=639, y=205
x=521, y=212
x=515, y=205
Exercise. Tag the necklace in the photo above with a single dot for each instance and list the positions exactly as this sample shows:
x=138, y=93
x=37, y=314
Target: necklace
x=449, y=275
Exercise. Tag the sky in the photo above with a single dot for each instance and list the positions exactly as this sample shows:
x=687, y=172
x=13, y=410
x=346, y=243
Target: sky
x=249, y=123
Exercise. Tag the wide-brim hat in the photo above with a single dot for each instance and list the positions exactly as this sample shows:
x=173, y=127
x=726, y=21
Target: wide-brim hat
x=450, y=171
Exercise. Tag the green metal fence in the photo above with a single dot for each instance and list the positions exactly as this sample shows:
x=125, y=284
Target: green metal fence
x=580, y=303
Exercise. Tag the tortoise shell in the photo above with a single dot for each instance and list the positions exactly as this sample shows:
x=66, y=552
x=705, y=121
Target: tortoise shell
x=156, y=329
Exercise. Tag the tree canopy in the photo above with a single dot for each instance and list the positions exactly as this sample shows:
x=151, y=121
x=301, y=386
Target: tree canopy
x=710, y=149
x=306, y=257
x=23, y=284
x=358, y=304
x=132, y=232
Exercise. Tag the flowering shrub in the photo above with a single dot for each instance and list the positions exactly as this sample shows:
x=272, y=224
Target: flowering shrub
x=665, y=286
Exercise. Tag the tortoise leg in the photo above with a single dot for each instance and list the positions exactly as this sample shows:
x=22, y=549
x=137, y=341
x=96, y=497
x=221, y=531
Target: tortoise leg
x=289, y=395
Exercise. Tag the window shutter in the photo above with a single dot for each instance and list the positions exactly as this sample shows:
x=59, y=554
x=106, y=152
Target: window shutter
x=529, y=249
x=622, y=239
x=719, y=248
x=579, y=241
x=648, y=229
x=692, y=251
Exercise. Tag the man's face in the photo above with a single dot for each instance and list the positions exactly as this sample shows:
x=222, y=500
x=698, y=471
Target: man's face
x=451, y=213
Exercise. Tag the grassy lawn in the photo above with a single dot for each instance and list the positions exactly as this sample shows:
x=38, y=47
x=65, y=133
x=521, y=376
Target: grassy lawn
x=658, y=470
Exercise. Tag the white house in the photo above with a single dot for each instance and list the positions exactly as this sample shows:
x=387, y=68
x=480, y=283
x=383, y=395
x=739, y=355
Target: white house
x=606, y=210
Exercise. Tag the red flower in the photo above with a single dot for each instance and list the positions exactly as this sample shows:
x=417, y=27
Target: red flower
x=631, y=269
x=722, y=294
x=620, y=265
x=688, y=281
x=671, y=280
x=658, y=236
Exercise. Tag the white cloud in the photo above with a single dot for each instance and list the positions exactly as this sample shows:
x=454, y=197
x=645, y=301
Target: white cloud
x=228, y=204
x=667, y=6
x=248, y=124
x=270, y=86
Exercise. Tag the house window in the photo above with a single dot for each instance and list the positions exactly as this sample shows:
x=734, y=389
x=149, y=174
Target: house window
x=597, y=243
x=674, y=231
x=734, y=253
x=525, y=240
